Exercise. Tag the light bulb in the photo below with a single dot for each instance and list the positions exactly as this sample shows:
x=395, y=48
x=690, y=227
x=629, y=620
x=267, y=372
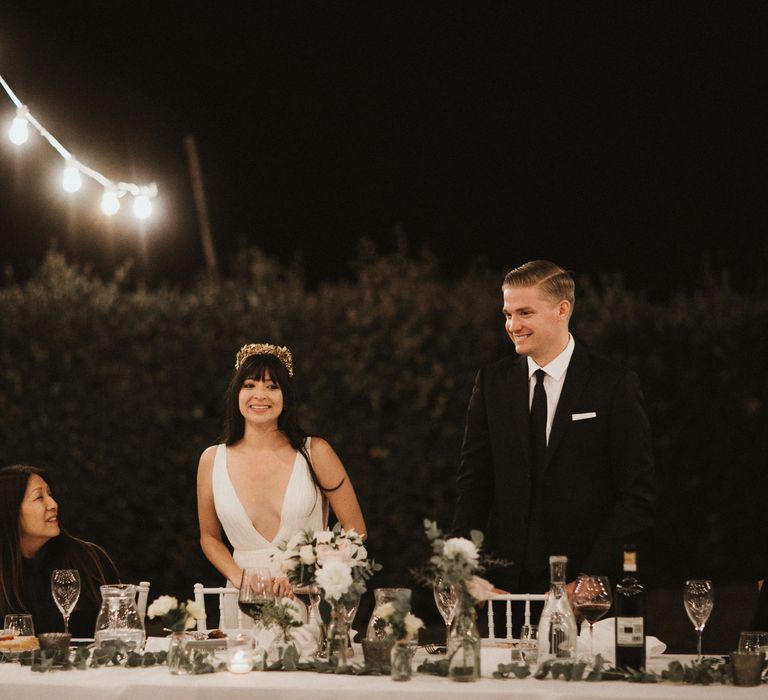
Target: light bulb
x=142, y=206
x=19, y=131
x=71, y=181
x=110, y=202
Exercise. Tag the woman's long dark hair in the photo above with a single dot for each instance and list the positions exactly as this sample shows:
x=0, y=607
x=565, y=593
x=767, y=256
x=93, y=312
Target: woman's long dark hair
x=66, y=551
x=257, y=367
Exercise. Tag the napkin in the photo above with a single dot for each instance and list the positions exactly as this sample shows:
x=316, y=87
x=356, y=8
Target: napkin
x=604, y=641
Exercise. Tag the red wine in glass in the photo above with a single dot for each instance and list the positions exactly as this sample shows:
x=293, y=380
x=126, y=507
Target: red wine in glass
x=592, y=612
x=254, y=608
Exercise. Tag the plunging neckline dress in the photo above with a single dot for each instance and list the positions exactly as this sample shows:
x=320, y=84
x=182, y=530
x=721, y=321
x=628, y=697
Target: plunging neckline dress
x=304, y=508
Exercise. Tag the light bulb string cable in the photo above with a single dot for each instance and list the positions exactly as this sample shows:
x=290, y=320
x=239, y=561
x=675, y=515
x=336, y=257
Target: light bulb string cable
x=120, y=188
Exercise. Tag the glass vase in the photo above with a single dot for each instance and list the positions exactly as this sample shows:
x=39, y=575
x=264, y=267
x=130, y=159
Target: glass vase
x=179, y=655
x=280, y=643
x=337, y=636
x=464, y=643
x=401, y=658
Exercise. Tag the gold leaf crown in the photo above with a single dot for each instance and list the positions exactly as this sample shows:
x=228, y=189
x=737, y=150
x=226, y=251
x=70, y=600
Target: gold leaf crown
x=281, y=352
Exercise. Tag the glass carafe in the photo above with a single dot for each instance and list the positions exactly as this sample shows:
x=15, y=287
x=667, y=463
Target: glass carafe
x=119, y=619
x=557, y=626
x=384, y=595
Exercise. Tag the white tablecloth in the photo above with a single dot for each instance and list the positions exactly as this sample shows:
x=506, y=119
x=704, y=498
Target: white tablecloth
x=156, y=683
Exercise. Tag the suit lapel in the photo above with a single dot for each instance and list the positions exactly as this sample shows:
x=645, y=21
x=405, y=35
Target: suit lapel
x=575, y=381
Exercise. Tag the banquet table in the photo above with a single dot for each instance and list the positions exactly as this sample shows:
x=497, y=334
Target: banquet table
x=116, y=683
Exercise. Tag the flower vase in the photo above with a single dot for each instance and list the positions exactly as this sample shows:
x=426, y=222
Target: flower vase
x=280, y=643
x=179, y=655
x=401, y=657
x=337, y=636
x=464, y=643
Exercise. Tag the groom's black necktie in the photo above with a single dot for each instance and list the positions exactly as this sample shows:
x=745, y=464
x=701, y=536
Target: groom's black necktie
x=539, y=423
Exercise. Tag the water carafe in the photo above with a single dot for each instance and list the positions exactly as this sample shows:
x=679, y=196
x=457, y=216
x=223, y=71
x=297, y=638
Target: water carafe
x=119, y=619
x=384, y=595
x=557, y=627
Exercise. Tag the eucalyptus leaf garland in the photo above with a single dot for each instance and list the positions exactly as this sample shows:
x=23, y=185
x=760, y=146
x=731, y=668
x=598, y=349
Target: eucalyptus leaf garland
x=709, y=671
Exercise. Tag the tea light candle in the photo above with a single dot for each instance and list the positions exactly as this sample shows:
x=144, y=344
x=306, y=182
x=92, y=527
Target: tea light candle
x=240, y=654
x=240, y=661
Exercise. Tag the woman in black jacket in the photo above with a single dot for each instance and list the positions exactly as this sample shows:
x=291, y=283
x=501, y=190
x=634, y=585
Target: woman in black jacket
x=33, y=544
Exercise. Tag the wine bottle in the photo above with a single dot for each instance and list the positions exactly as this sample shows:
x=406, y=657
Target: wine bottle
x=630, y=615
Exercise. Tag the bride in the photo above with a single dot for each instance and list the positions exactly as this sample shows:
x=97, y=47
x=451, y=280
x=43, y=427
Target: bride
x=268, y=479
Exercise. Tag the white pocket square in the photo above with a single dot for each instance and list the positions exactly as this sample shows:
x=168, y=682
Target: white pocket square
x=583, y=416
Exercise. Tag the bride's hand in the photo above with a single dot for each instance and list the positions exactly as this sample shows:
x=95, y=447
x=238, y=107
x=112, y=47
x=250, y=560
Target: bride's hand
x=282, y=587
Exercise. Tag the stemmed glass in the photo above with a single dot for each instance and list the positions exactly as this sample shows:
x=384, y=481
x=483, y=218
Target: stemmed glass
x=592, y=600
x=255, y=592
x=445, y=599
x=529, y=643
x=65, y=588
x=699, y=598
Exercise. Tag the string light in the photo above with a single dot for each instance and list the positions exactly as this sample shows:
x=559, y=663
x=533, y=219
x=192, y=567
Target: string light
x=72, y=179
x=110, y=203
x=19, y=131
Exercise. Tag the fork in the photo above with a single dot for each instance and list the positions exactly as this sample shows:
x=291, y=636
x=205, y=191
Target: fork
x=434, y=649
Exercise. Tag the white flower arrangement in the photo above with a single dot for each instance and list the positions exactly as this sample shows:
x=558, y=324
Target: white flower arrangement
x=176, y=616
x=335, y=560
x=456, y=560
x=398, y=622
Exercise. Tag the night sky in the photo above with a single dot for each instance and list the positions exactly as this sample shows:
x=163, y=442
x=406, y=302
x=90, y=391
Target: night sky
x=617, y=136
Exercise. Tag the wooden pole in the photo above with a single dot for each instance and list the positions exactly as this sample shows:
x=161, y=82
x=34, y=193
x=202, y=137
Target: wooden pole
x=196, y=176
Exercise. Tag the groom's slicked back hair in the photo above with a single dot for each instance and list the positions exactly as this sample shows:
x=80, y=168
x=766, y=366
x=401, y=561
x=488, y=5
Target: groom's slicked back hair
x=554, y=281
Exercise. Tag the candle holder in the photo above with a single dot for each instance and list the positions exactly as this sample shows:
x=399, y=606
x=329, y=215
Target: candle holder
x=239, y=653
x=57, y=644
x=747, y=667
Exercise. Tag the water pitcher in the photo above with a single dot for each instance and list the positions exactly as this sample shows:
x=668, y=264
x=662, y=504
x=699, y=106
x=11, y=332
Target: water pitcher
x=119, y=619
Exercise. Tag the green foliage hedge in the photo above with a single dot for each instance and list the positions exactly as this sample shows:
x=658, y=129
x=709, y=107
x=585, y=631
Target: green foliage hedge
x=119, y=389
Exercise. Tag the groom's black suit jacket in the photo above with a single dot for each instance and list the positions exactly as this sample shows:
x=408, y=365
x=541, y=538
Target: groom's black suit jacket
x=596, y=491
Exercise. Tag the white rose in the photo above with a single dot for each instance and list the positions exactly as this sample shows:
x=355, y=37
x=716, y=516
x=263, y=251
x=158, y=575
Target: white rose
x=292, y=608
x=307, y=554
x=412, y=625
x=335, y=578
x=385, y=611
x=323, y=536
x=289, y=562
x=162, y=606
x=295, y=542
x=196, y=610
x=463, y=547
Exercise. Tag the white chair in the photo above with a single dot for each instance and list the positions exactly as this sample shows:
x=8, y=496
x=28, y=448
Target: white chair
x=223, y=593
x=509, y=598
x=142, y=596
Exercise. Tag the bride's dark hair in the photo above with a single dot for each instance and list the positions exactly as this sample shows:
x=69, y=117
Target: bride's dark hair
x=257, y=367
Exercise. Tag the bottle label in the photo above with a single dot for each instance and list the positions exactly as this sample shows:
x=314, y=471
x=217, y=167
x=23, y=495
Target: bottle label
x=629, y=631
x=630, y=560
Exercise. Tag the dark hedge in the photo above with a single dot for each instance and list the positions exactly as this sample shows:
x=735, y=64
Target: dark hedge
x=119, y=389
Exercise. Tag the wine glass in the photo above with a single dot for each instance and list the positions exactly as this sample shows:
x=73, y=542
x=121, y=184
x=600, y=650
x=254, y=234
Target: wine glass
x=19, y=624
x=753, y=642
x=65, y=588
x=445, y=599
x=349, y=615
x=529, y=643
x=592, y=600
x=255, y=592
x=699, y=598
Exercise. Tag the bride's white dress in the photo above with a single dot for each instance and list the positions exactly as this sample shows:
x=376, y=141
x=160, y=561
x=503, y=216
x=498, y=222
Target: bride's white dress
x=304, y=508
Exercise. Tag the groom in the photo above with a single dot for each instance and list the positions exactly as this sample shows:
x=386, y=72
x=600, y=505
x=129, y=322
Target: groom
x=556, y=457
